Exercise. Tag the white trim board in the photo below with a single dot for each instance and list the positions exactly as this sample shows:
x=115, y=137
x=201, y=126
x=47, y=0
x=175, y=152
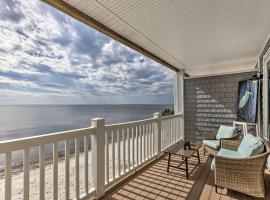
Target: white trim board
x=222, y=74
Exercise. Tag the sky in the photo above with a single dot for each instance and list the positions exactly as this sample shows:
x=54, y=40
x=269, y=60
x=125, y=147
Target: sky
x=47, y=57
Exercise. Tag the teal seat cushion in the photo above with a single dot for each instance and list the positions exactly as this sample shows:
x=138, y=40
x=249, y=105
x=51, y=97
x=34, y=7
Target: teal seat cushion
x=226, y=132
x=250, y=146
x=228, y=154
x=212, y=143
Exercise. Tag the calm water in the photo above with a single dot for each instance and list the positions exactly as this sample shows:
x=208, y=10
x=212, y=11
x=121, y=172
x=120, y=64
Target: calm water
x=30, y=120
x=24, y=121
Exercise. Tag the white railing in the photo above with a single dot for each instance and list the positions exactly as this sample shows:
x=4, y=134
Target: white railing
x=53, y=140
x=128, y=145
x=116, y=151
x=170, y=130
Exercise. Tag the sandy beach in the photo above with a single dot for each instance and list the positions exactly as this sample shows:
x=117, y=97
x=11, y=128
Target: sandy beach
x=17, y=177
x=17, y=180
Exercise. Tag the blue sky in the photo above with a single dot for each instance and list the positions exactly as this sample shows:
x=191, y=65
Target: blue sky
x=47, y=57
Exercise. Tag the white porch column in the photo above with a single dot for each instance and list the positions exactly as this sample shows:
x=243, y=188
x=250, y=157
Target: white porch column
x=98, y=156
x=157, y=136
x=266, y=61
x=179, y=99
x=266, y=67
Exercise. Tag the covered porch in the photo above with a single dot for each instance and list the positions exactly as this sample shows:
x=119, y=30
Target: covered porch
x=210, y=46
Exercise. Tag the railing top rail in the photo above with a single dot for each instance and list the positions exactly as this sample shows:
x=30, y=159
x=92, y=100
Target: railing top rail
x=129, y=124
x=171, y=116
x=21, y=143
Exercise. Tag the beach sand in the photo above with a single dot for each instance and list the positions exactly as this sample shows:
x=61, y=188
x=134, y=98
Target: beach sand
x=17, y=177
x=17, y=180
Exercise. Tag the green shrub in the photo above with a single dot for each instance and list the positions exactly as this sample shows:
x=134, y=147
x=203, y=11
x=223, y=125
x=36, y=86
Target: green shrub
x=167, y=112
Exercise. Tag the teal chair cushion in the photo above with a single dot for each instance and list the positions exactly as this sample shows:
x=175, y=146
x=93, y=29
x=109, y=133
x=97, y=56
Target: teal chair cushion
x=226, y=132
x=228, y=154
x=250, y=146
x=212, y=143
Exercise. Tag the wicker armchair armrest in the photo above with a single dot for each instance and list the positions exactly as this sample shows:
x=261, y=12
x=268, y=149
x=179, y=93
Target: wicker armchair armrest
x=236, y=136
x=230, y=144
x=241, y=165
x=209, y=135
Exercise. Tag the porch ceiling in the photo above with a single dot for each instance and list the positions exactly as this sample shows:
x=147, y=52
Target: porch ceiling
x=202, y=37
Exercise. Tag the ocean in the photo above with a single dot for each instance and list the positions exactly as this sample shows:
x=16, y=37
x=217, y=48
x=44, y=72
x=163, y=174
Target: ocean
x=30, y=120
x=19, y=121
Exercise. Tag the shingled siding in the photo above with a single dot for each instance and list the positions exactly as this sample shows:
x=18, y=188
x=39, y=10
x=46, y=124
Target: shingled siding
x=210, y=102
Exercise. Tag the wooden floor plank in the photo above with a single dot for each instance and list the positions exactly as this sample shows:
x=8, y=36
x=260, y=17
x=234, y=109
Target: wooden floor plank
x=154, y=182
x=201, y=179
x=225, y=194
x=214, y=195
x=206, y=191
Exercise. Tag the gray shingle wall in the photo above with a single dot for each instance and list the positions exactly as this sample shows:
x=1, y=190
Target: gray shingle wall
x=210, y=102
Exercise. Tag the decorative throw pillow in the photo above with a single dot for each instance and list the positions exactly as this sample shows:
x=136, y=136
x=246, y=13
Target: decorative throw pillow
x=226, y=132
x=250, y=146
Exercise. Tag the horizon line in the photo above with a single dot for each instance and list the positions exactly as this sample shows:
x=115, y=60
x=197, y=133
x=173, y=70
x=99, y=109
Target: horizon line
x=85, y=104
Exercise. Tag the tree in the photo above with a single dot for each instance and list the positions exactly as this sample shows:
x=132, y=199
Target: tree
x=167, y=112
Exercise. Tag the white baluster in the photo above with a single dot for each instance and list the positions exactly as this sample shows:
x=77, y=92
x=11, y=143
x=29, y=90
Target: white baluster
x=86, y=164
x=41, y=172
x=128, y=147
x=137, y=145
x=55, y=170
x=107, y=166
x=133, y=146
x=124, y=150
x=141, y=143
x=8, y=178
x=77, y=167
x=67, y=168
x=26, y=173
x=118, y=153
x=113, y=154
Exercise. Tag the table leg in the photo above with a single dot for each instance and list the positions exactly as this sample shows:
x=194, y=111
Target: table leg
x=186, y=162
x=169, y=160
x=198, y=155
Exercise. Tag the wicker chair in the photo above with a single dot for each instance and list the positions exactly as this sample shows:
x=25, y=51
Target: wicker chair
x=212, y=136
x=244, y=175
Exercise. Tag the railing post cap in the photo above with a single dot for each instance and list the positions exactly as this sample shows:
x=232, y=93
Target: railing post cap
x=97, y=119
x=157, y=115
x=97, y=122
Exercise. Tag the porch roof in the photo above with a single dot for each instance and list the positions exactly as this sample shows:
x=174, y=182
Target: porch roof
x=202, y=37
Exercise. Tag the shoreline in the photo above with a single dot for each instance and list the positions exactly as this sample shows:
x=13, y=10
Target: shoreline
x=17, y=177
x=34, y=165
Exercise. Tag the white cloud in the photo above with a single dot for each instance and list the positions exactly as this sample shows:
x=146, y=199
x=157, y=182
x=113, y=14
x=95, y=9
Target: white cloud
x=47, y=54
x=6, y=80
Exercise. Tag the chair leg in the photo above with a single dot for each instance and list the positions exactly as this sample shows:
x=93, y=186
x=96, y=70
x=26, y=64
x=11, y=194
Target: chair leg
x=198, y=156
x=169, y=160
x=186, y=162
x=216, y=188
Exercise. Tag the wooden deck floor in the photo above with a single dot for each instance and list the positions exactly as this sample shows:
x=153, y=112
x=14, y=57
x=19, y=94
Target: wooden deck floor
x=154, y=182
